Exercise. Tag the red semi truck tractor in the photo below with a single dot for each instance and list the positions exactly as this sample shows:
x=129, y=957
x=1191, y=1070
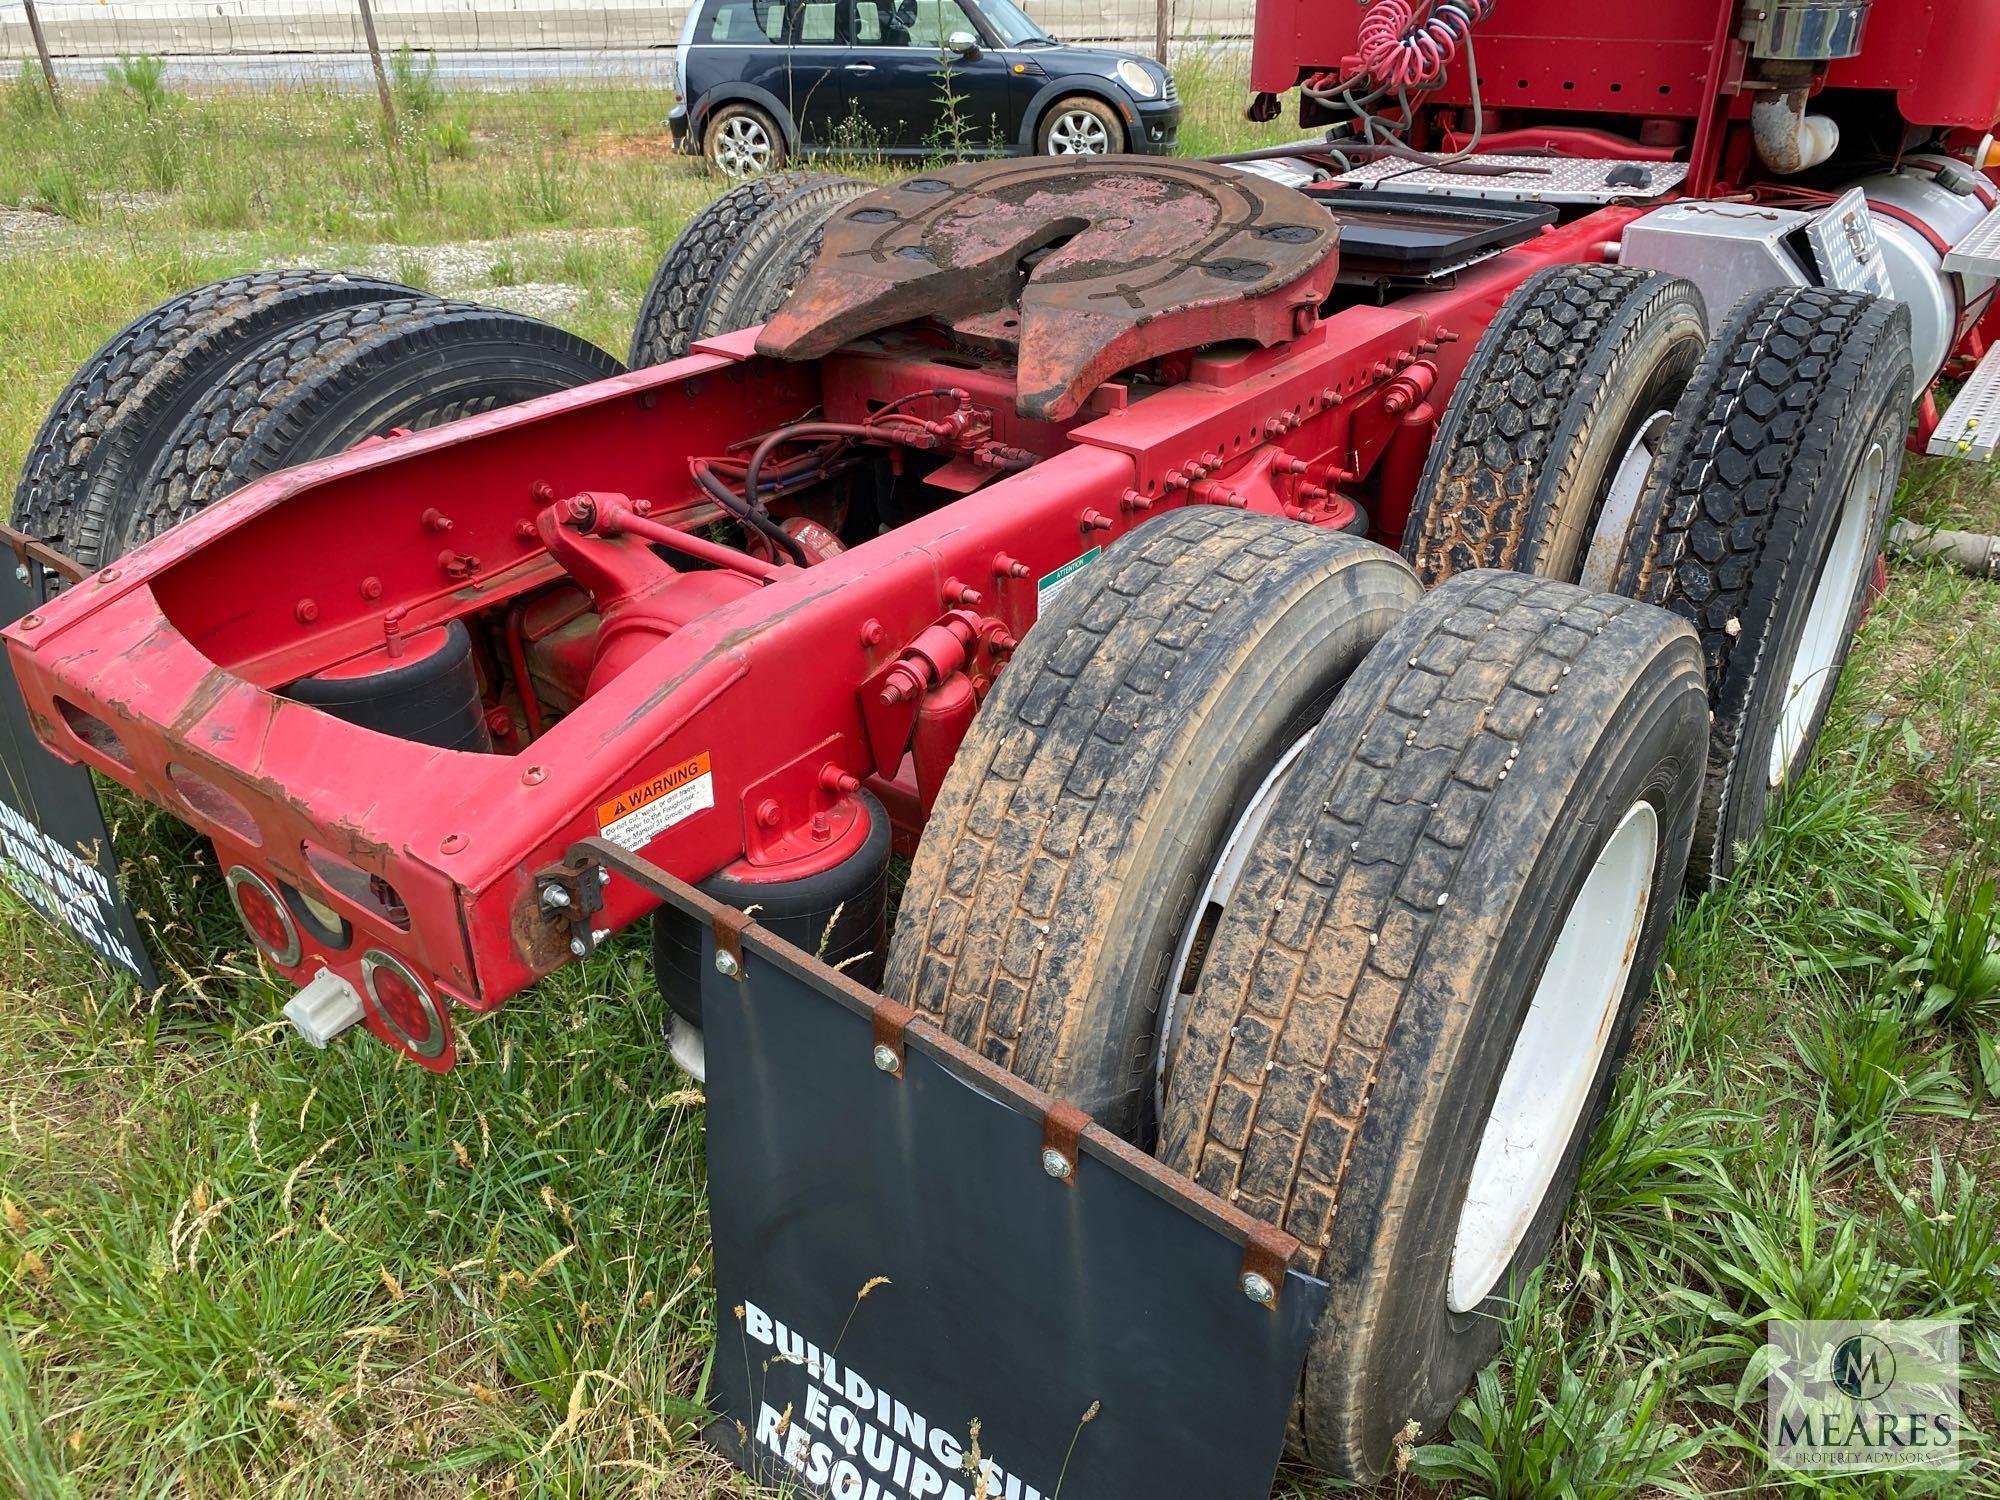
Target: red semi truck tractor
x=1304, y=617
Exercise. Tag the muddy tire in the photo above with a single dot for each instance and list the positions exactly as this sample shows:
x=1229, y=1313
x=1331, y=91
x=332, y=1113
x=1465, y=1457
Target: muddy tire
x=326, y=384
x=675, y=310
x=1761, y=527
x=108, y=426
x=1562, y=404
x=1518, y=761
x=1065, y=863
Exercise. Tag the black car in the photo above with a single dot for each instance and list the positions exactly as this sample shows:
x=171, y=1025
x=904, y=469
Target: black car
x=763, y=80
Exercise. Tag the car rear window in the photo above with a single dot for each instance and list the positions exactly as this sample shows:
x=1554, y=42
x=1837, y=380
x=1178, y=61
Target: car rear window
x=761, y=22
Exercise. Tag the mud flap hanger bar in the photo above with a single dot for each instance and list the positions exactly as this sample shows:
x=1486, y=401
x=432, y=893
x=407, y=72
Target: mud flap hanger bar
x=1068, y=1134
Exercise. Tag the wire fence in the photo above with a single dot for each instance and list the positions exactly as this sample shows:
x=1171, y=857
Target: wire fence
x=493, y=44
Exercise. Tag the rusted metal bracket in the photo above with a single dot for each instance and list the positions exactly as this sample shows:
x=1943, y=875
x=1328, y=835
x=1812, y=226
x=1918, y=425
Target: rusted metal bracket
x=571, y=894
x=1062, y=1138
x=28, y=550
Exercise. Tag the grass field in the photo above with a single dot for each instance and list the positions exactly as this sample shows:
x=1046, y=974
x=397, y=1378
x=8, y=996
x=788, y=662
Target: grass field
x=232, y=1265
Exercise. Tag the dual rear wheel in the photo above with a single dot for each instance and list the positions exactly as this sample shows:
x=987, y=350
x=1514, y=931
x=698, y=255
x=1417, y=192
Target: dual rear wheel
x=1342, y=896
x=1744, y=483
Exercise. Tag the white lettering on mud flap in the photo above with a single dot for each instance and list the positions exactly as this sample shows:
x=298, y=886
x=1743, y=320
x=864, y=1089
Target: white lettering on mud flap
x=640, y=814
x=851, y=1439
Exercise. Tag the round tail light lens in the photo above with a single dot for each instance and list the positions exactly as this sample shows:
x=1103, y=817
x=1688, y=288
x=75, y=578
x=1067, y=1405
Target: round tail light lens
x=403, y=1002
x=264, y=917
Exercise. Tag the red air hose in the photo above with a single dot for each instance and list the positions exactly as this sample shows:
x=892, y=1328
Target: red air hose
x=1400, y=51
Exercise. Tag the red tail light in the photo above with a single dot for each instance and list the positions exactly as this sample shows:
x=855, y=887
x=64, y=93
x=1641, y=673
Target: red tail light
x=264, y=916
x=404, y=1003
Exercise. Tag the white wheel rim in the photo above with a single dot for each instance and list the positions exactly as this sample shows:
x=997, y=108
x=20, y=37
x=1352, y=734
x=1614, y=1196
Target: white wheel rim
x=1077, y=132
x=1605, y=559
x=1222, y=883
x=1816, y=666
x=1556, y=1054
x=742, y=147
x=688, y=1047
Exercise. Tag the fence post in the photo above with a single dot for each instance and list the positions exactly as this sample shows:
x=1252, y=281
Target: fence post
x=1163, y=23
x=381, y=73
x=42, y=50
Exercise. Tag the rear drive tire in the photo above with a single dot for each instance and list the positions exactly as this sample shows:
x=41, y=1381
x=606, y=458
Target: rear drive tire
x=1063, y=877
x=347, y=375
x=85, y=467
x=1761, y=526
x=674, y=312
x=1413, y=1016
x=1554, y=425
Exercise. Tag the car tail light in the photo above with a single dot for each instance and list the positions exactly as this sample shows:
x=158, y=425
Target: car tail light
x=264, y=917
x=404, y=1003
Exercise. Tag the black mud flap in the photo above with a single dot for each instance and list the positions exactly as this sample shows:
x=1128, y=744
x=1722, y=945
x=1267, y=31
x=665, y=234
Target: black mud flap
x=930, y=1276
x=55, y=852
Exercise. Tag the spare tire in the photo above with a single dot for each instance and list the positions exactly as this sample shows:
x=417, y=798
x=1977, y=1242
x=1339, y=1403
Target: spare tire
x=107, y=429
x=1762, y=524
x=358, y=372
x=1060, y=898
x=678, y=307
x=1555, y=422
x=1410, y=1021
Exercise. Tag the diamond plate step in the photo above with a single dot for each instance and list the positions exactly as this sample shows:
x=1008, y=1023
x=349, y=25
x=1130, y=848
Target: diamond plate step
x=1978, y=254
x=1534, y=179
x=1970, y=428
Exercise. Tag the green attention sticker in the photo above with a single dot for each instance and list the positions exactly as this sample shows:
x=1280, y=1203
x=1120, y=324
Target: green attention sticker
x=1052, y=583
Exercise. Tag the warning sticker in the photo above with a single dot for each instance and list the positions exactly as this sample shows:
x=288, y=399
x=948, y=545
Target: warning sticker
x=1051, y=584
x=640, y=814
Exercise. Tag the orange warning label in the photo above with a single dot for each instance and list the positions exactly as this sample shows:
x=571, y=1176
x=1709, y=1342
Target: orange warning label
x=640, y=814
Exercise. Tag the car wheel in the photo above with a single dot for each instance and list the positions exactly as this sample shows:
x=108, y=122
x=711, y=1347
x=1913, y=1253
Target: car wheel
x=743, y=142
x=1080, y=127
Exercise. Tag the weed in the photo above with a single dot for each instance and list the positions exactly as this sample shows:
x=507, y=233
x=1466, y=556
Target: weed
x=1543, y=1423
x=142, y=77
x=1942, y=950
x=1950, y=1243
x=58, y=191
x=453, y=138
x=1870, y=1071
x=413, y=83
x=28, y=93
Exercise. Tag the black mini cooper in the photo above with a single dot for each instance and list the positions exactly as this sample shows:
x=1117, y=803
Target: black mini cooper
x=763, y=80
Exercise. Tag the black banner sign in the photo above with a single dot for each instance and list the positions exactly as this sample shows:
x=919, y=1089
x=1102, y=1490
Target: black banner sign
x=55, y=852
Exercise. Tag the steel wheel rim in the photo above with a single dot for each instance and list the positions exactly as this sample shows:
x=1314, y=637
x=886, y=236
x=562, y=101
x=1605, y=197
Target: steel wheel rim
x=1223, y=879
x=1816, y=663
x=743, y=147
x=1077, y=132
x=1555, y=1058
x=1604, y=558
